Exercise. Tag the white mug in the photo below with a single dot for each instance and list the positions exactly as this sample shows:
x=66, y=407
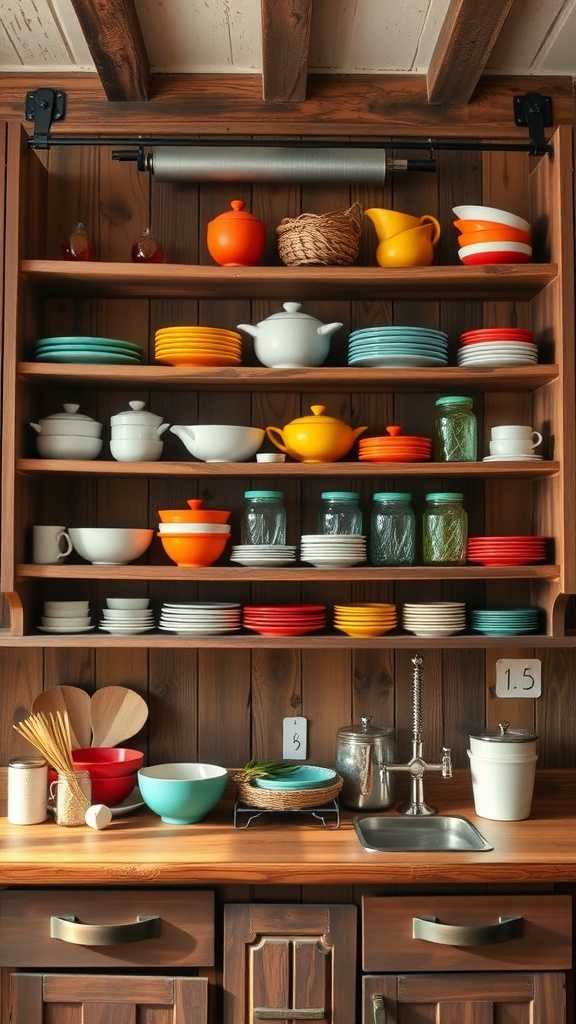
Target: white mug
x=518, y=434
x=47, y=544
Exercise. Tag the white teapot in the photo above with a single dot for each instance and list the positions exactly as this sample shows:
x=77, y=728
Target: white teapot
x=291, y=339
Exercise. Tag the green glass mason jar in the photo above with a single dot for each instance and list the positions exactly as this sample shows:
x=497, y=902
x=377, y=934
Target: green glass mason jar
x=392, y=529
x=340, y=513
x=455, y=430
x=444, y=529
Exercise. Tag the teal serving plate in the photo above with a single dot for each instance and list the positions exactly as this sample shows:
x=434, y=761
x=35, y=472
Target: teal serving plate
x=423, y=331
x=407, y=346
x=182, y=794
x=87, y=357
x=41, y=352
x=82, y=339
x=306, y=776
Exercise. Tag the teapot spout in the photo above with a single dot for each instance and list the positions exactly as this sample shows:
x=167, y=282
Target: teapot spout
x=329, y=328
x=356, y=433
x=252, y=331
x=36, y=427
x=162, y=429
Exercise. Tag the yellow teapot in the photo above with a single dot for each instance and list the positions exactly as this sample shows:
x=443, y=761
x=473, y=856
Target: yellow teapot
x=404, y=240
x=315, y=438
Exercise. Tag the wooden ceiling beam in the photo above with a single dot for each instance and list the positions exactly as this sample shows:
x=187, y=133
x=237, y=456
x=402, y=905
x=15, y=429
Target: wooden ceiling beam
x=114, y=37
x=285, y=46
x=463, y=48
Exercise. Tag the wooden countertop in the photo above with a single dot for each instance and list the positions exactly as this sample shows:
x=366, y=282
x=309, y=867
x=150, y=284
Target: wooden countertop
x=140, y=850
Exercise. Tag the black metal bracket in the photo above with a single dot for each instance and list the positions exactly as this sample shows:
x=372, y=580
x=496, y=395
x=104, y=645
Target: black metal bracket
x=533, y=111
x=43, y=106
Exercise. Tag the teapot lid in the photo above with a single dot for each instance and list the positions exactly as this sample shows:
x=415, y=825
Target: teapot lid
x=70, y=413
x=137, y=411
x=364, y=731
x=507, y=735
x=292, y=311
x=318, y=416
x=236, y=212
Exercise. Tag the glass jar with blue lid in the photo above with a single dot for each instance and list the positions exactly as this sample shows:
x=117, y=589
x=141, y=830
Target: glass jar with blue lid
x=263, y=518
x=455, y=430
x=444, y=529
x=392, y=529
x=340, y=513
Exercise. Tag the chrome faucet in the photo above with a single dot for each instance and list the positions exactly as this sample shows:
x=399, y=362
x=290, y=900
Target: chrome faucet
x=417, y=767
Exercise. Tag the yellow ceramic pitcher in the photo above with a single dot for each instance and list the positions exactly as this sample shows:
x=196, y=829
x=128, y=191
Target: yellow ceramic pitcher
x=404, y=240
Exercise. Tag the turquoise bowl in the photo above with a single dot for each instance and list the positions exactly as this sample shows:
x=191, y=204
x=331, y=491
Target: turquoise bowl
x=182, y=793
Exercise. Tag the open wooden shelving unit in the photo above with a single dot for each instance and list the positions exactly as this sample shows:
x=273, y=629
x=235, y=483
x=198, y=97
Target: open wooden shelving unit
x=38, y=289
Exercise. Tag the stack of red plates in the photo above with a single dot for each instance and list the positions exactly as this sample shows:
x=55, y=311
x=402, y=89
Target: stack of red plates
x=507, y=550
x=490, y=334
x=285, y=619
x=395, y=447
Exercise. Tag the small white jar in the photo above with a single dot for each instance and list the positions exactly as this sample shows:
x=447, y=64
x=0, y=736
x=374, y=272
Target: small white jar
x=27, y=790
x=503, y=767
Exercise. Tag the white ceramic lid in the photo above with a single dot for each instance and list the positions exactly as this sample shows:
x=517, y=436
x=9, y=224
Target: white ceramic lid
x=292, y=311
x=137, y=414
x=70, y=414
x=507, y=735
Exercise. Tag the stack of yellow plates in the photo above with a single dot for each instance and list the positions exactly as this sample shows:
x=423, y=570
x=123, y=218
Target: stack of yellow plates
x=365, y=619
x=198, y=346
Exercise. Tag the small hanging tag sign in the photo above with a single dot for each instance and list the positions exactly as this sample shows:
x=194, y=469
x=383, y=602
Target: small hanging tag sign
x=295, y=737
x=519, y=677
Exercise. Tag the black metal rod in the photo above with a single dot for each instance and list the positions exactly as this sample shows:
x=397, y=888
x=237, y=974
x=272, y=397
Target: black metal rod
x=430, y=144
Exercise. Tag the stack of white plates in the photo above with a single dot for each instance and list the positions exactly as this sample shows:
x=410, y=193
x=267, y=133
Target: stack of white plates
x=332, y=551
x=212, y=618
x=66, y=617
x=126, y=615
x=439, y=618
x=264, y=554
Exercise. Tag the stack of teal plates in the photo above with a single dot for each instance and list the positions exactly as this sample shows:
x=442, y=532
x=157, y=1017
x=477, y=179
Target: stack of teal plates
x=306, y=776
x=505, y=621
x=82, y=349
x=398, y=346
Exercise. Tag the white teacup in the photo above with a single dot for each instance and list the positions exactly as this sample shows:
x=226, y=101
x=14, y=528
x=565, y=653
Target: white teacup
x=525, y=435
x=511, y=447
x=50, y=544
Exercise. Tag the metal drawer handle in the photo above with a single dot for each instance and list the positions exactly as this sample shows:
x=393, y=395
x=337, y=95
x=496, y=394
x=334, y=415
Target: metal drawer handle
x=68, y=928
x=263, y=1013
x=378, y=1009
x=430, y=929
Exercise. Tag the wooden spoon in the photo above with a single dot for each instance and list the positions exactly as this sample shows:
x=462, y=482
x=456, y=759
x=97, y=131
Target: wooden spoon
x=117, y=713
x=76, y=702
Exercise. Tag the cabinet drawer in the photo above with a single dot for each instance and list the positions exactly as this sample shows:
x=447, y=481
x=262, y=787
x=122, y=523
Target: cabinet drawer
x=466, y=933
x=176, y=928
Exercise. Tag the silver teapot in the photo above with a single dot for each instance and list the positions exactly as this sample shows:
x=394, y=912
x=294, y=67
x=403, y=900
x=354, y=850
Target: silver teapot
x=359, y=751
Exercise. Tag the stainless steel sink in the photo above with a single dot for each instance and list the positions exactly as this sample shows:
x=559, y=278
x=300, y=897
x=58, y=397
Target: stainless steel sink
x=381, y=834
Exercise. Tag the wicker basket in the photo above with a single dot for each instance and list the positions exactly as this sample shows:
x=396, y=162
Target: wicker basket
x=325, y=239
x=286, y=799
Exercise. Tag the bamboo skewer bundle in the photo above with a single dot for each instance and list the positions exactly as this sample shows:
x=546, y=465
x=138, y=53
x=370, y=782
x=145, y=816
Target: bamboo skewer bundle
x=50, y=734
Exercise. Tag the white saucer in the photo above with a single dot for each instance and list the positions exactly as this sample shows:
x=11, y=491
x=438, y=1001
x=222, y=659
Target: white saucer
x=512, y=458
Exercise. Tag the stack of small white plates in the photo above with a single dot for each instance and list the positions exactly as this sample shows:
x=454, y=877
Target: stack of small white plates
x=211, y=618
x=126, y=615
x=66, y=617
x=332, y=551
x=498, y=353
x=264, y=554
x=439, y=618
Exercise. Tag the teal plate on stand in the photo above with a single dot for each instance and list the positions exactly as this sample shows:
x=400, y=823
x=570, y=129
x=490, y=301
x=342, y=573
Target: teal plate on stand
x=306, y=776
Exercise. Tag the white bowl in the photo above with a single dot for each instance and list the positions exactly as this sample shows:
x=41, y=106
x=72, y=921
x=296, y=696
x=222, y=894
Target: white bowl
x=125, y=613
x=70, y=623
x=220, y=443
x=110, y=545
x=132, y=603
x=194, y=528
x=270, y=457
x=136, y=450
x=493, y=214
x=68, y=446
x=479, y=247
x=66, y=609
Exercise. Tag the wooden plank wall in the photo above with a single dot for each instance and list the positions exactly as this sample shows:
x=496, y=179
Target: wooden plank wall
x=224, y=706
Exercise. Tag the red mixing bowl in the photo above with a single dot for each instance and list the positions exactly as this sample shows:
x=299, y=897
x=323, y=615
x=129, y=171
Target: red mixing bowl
x=107, y=762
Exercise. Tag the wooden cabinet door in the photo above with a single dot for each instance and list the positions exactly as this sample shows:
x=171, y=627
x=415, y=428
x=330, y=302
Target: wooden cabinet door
x=464, y=999
x=289, y=964
x=108, y=999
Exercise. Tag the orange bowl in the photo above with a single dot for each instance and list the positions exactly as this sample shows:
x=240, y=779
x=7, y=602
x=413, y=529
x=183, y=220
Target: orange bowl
x=194, y=549
x=505, y=233
x=497, y=235
x=196, y=513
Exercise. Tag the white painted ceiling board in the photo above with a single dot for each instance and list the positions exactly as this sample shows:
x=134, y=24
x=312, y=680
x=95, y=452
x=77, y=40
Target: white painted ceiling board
x=34, y=34
x=430, y=31
x=557, y=55
x=366, y=35
x=70, y=28
x=523, y=35
x=201, y=35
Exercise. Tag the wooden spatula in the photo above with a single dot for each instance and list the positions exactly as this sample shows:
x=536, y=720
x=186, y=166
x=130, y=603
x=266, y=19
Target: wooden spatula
x=76, y=702
x=117, y=713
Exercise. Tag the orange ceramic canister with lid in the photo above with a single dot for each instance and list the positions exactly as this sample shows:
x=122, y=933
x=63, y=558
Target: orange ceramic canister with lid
x=195, y=513
x=236, y=238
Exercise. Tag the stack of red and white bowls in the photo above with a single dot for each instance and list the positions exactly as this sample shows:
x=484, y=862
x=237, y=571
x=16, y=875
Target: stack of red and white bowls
x=285, y=619
x=488, y=235
x=497, y=346
x=507, y=550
